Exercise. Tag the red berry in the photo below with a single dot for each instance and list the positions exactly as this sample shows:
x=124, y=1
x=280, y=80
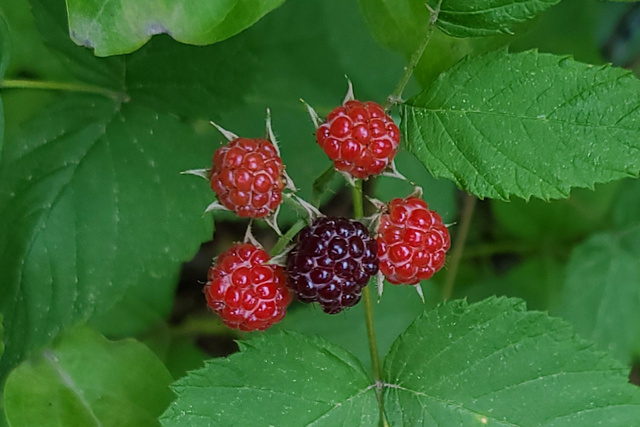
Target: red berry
x=359, y=138
x=412, y=241
x=248, y=177
x=245, y=293
x=332, y=263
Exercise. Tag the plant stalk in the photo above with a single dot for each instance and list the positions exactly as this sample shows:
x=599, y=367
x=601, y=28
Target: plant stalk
x=396, y=95
x=358, y=211
x=468, y=207
x=69, y=87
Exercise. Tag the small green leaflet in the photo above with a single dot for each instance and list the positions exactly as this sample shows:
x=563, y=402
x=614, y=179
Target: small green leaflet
x=113, y=28
x=526, y=124
x=285, y=379
x=86, y=380
x=474, y=18
x=493, y=363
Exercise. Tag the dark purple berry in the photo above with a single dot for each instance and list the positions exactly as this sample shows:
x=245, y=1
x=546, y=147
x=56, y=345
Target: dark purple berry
x=332, y=263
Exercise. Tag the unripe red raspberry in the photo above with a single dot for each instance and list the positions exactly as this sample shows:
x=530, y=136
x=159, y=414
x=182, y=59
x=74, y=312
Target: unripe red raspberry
x=245, y=293
x=332, y=263
x=359, y=138
x=412, y=241
x=248, y=177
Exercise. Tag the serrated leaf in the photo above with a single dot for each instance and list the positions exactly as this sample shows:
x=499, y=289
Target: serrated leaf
x=171, y=89
x=464, y=18
x=601, y=294
x=401, y=25
x=341, y=329
x=285, y=379
x=526, y=124
x=114, y=28
x=76, y=219
x=494, y=363
x=87, y=380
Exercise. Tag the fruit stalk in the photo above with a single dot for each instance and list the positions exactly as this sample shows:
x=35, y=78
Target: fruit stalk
x=396, y=95
x=458, y=246
x=358, y=211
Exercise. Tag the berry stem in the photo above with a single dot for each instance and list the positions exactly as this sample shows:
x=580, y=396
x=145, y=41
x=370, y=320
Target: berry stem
x=284, y=240
x=69, y=87
x=358, y=211
x=396, y=95
x=468, y=207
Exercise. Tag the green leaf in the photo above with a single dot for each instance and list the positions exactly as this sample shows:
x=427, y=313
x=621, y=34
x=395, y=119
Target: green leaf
x=86, y=380
x=106, y=220
x=526, y=124
x=284, y=379
x=464, y=18
x=494, y=363
x=626, y=209
x=536, y=280
x=113, y=28
x=117, y=170
x=550, y=35
x=401, y=25
x=564, y=220
x=397, y=24
x=340, y=329
x=601, y=295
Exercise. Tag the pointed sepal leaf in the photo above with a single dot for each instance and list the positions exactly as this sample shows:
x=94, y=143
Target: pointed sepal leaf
x=84, y=379
x=526, y=124
x=283, y=379
x=494, y=363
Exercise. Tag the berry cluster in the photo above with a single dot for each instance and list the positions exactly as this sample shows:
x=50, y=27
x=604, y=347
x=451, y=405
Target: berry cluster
x=333, y=258
x=332, y=262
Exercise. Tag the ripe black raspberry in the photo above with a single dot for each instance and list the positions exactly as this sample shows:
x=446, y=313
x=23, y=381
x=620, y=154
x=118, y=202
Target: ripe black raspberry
x=332, y=263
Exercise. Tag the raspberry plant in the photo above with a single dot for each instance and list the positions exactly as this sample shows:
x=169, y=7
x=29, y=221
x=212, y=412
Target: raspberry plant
x=528, y=156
